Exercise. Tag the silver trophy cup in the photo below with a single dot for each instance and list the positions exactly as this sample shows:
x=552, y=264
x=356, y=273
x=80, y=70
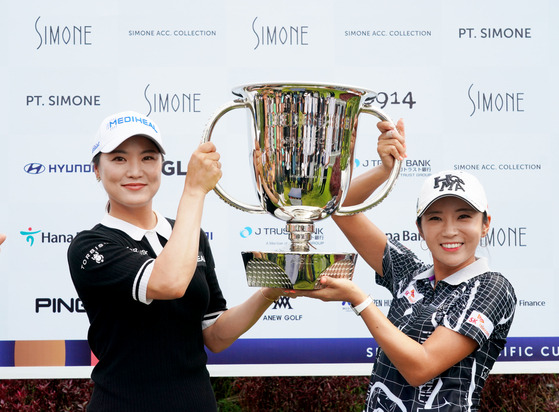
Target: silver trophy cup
x=302, y=156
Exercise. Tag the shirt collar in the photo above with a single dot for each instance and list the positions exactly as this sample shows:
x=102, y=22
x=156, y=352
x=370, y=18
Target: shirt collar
x=163, y=227
x=479, y=267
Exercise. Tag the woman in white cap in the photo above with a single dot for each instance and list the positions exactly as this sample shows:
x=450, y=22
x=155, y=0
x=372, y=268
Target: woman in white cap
x=448, y=321
x=148, y=283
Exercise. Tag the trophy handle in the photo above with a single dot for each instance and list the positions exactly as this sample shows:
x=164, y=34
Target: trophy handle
x=385, y=190
x=206, y=137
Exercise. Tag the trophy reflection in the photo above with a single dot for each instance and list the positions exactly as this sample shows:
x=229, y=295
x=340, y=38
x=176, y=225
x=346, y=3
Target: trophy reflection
x=302, y=143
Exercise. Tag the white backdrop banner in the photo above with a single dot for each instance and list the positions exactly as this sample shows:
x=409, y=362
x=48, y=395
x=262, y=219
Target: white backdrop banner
x=474, y=82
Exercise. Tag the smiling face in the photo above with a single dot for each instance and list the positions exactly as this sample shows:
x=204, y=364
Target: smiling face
x=131, y=175
x=452, y=230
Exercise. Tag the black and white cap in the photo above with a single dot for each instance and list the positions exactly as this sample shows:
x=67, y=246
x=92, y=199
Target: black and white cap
x=452, y=183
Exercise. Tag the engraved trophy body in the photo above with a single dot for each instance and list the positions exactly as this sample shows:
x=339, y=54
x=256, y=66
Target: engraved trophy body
x=302, y=157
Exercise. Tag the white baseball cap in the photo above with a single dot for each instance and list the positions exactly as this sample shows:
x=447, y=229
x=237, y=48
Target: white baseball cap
x=118, y=127
x=452, y=183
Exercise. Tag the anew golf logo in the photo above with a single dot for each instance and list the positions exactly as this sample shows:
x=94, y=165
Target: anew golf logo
x=449, y=182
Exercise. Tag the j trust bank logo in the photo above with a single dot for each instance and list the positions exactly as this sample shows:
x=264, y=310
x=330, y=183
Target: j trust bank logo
x=279, y=236
x=409, y=167
x=70, y=35
x=172, y=101
x=282, y=35
x=266, y=231
x=246, y=232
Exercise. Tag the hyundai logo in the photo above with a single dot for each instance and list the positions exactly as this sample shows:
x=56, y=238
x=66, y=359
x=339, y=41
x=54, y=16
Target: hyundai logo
x=34, y=168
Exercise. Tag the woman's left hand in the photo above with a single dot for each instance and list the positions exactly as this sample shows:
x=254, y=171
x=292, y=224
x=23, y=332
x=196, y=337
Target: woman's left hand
x=333, y=289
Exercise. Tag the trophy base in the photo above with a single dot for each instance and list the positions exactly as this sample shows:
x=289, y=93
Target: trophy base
x=296, y=270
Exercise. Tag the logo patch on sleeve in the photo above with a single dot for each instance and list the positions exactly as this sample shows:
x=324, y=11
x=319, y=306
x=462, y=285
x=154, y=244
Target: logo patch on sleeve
x=482, y=322
x=201, y=259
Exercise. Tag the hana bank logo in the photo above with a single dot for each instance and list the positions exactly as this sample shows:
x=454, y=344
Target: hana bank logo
x=246, y=232
x=30, y=235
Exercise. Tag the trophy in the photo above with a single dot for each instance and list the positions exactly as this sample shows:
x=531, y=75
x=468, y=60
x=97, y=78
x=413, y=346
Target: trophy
x=302, y=145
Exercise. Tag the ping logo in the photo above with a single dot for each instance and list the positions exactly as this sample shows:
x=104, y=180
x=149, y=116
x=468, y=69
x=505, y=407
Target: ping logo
x=450, y=182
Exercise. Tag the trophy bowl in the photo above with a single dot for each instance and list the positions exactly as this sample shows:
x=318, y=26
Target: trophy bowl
x=302, y=143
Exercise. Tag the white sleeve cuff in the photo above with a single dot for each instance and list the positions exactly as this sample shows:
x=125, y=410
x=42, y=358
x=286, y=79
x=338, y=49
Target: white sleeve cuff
x=140, y=287
x=210, y=319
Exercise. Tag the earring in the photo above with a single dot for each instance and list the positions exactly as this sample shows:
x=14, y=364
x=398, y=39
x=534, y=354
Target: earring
x=423, y=244
x=98, y=178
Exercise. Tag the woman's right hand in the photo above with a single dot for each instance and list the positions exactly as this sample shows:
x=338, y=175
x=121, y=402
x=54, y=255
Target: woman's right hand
x=204, y=169
x=391, y=143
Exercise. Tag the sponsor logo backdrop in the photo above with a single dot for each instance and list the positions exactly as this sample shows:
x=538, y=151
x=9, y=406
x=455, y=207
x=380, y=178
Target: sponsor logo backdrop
x=474, y=82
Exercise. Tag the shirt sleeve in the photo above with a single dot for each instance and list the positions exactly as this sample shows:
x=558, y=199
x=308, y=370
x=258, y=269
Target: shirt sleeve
x=99, y=264
x=485, y=310
x=399, y=265
x=217, y=304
